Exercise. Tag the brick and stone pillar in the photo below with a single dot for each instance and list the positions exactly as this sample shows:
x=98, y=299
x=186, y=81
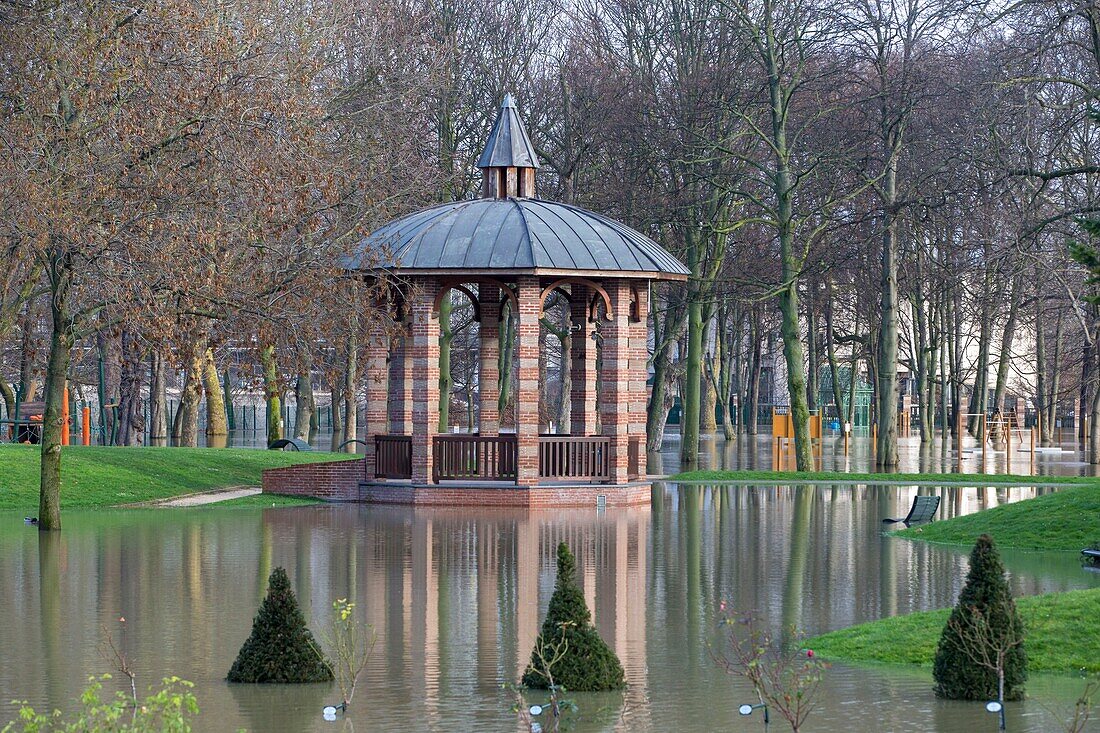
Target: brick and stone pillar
x=424, y=353
x=527, y=384
x=488, y=378
x=376, y=377
x=615, y=414
x=401, y=384
x=582, y=395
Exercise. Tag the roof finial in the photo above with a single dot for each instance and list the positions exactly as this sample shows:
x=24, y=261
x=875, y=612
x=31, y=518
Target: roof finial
x=509, y=161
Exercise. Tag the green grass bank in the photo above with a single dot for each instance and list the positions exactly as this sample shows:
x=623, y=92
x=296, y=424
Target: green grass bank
x=1068, y=519
x=94, y=477
x=1061, y=635
x=939, y=479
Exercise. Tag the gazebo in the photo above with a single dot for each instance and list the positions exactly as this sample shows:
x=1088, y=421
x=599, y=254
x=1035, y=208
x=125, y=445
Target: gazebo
x=510, y=247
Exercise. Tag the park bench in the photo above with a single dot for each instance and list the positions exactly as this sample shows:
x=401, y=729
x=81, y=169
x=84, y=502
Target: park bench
x=923, y=510
x=293, y=444
x=26, y=425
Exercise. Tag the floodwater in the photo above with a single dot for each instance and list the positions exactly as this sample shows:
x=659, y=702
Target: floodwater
x=1065, y=458
x=457, y=595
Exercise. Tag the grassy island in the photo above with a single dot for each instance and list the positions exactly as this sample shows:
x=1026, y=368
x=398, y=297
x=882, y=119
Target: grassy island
x=1068, y=519
x=95, y=477
x=1061, y=635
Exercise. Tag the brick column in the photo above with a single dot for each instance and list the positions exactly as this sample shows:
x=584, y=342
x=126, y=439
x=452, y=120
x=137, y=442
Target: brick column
x=424, y=350
x=582, y=395
x=401, y=384
x=527, y=383
x=488, y=379
x=376, y=377
x=615, y=415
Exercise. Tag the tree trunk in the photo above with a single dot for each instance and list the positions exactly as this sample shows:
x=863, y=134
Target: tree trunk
x=27, y=382
x=756, y=366
x=57, y=372
x=979, y=396
x=830, y=348
x=272, y=395
x=131, y=414
x=351, y=388
x=507, y=339
x=216, y=423
x=724, y=378
x=690, y=412
x=337, y=419
x=886, y=387
x=1055, y=383
x=158, y=403
x=954, y=328
x=813, y=387
x=303, y=392
x=8, y=395
x=1001, y=385
x=922, y=359
x=191, y=396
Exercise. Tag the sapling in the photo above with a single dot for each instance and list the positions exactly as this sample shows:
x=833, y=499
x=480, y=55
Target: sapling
x=784, y=677
x=549, y=651
x=351, y=644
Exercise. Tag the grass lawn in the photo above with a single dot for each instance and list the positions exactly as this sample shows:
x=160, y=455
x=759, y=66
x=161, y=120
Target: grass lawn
x=1068, y=519
x=940, y=479
x=95, y=477
x=1061, y=635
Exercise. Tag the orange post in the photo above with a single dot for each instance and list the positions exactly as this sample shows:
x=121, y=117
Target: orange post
x=65, y=416
x=86, y=427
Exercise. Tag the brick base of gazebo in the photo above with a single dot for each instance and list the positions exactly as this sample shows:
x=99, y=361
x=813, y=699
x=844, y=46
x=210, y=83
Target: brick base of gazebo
x=342, y=481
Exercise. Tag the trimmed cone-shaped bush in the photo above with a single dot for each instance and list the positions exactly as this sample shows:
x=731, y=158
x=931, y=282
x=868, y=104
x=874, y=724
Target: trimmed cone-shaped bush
x=588, y=663
x=281, y=647
x=961, y=674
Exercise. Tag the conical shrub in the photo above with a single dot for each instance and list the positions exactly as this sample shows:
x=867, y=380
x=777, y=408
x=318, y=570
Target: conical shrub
x=281, y=647
x=965, y=662
x=588, y=664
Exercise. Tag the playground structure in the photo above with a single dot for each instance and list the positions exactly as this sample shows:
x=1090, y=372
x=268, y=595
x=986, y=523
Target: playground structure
x=783, y=437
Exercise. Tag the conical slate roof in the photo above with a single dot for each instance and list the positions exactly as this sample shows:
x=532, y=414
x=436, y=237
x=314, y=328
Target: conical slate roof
x=514, y=236
x=508, y=145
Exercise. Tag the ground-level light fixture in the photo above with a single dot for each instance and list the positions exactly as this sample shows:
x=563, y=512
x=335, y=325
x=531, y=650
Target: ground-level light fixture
x=329, y=711
x=747, y=709
x=996, y=706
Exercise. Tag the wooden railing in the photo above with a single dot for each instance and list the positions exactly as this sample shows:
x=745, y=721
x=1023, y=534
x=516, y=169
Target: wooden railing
x=393, y=456
x=564, y=456
x=488, y=458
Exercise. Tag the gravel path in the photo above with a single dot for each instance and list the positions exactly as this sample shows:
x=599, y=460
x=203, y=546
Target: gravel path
x=211, y=497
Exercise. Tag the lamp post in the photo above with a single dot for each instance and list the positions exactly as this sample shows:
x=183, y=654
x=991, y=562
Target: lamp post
x=996, y=706
x=329, y=711
x=747, y=709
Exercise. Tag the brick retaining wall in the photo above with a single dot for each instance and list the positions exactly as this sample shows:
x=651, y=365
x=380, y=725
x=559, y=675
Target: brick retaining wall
x=340, y=481
x=331, y=481
x=507, y=496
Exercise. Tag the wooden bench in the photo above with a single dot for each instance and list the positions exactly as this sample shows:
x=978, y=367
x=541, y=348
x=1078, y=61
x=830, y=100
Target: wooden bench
x=26, y=426
x=923, y=510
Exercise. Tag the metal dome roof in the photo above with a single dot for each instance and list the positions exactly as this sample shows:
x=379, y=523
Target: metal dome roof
x=514, y=236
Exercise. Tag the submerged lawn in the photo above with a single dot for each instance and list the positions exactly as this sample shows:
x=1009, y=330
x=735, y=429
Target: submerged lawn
x=1061, y=635
x=105, y=476
x=1068, y=519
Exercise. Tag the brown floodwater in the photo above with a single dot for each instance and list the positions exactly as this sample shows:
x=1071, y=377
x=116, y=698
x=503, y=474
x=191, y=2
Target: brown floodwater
x=456, y=597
